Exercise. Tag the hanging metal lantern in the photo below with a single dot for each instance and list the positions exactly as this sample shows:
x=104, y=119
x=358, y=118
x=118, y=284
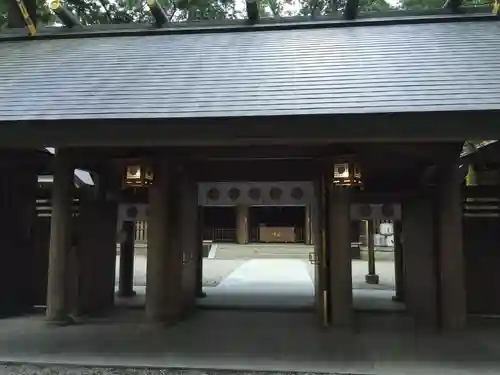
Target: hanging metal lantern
x=138, y=176
x=347, y=173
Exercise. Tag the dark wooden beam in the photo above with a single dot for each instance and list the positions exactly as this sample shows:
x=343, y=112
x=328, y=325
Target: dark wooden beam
x=453, y=5
x=351, y=9
x=254, y=170
x=253, y=10
x=450, y=150
x=486, y=191
x=381, y=152
x=380, y=197
x=158, y=13
x=64, y=14
x=20, y=158
x=253, y=131
x=15, y=19
x=45, y=192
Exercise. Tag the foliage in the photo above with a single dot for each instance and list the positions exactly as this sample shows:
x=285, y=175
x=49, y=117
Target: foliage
x=136, y=11
x=126, y=11
x=3, y=12
x=434, y=4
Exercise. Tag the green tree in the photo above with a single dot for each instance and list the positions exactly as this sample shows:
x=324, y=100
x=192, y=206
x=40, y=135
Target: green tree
x=91, y=12
x=421, y=4
x=3, y=13
x=436, y=4
x=127, y=11
x=374, y=6
x=276, y=8
x=136, y=11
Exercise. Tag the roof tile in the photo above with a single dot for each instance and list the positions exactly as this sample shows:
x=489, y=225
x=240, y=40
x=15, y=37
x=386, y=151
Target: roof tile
x=392, y=68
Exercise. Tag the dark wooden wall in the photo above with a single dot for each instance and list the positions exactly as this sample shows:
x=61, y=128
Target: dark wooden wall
x=481, y=241
x=16, y=240
x=482, y=264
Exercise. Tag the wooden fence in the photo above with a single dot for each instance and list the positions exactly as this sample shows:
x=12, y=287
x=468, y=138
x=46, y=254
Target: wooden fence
x=211, y=234
x=141, y=232
x=219, y=234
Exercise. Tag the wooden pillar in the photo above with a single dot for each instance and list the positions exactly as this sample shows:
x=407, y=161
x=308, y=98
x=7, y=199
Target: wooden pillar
x=24, y=186
x=127, y=253
x=451, y=257
x=97, y=247
x=312, y=218
x=199, y=255
x=398, y=262
x=419, y=229
x=321, y=258
x=308, y=232
x=355, y=240
x=242, y=224
x=339, y=227
x=60, y=238
x=74, y=273
x=371, y=277
x=189, y=238
x=164, y=261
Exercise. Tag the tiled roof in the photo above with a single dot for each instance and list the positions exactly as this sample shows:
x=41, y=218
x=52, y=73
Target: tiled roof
x=391, y=68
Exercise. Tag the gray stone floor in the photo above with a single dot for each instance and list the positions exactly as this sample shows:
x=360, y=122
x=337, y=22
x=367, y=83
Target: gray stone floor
x=215, y=342
x=248, y=342
x=214, y=270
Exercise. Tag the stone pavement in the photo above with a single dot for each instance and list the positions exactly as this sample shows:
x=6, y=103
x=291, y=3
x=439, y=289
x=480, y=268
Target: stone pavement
x=264, y=283
x=213, y=271
x=229, y=257
x=271, y=277
x=275, y=284
x=249, y=342
x=257, y=251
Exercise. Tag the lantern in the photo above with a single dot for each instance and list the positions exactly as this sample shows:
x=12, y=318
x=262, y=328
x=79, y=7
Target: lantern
x=347, y=173
x=138, y=176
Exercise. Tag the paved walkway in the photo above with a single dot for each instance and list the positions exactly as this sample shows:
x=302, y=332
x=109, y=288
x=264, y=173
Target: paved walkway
x=264, y=283
x=287, y=284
